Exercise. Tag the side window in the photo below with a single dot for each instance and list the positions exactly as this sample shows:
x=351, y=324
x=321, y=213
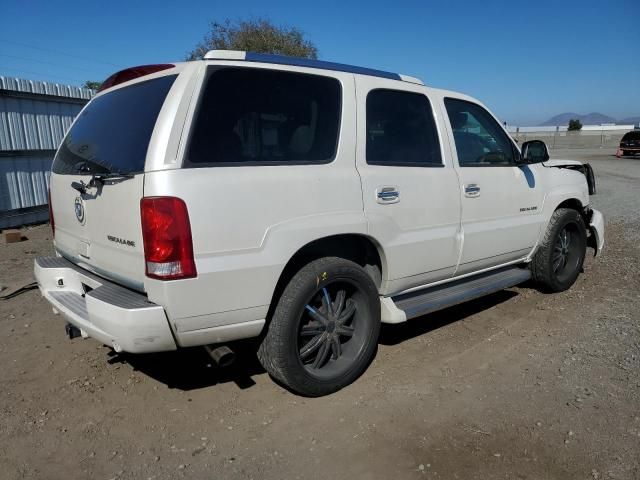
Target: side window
x=401, y=130
x=480, y=141
x=257, y=116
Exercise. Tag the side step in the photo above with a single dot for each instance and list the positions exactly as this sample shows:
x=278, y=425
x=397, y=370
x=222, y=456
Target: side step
x=419, y=303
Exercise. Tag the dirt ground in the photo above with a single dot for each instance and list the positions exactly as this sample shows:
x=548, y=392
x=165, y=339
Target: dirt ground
x=518, y=385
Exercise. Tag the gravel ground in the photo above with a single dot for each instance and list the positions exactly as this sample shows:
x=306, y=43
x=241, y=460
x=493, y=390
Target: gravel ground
x=518, y=385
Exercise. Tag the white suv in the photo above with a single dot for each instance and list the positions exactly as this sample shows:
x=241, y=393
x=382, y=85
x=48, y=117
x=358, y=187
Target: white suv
x=299, y=201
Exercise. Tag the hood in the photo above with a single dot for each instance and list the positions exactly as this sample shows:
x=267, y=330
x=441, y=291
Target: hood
x=561, y=163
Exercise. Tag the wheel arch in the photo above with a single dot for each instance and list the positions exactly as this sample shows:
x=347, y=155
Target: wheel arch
x=564, y=196
x=572, y=203
x=361, y=249
x=575, y=204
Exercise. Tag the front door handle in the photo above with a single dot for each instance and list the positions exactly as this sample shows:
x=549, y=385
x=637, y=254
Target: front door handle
x=472, y=190
x=388, y=195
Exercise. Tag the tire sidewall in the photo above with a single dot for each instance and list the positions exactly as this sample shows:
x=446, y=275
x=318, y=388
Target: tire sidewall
x=304, y=285
x=567, y=218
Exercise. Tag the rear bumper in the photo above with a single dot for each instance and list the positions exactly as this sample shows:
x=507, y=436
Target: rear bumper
x=596, y=225
x=110, y=313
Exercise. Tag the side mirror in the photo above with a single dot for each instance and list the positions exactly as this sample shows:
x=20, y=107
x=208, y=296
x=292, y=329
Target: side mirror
x=535, y=151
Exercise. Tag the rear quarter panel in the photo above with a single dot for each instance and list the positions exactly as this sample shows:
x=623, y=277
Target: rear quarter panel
x=248, y=221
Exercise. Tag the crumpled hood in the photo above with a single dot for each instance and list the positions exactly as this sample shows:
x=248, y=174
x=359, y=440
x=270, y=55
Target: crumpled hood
x=561, y=163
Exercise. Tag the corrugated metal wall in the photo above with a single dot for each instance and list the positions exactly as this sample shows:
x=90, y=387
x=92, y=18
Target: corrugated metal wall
x=34, y=117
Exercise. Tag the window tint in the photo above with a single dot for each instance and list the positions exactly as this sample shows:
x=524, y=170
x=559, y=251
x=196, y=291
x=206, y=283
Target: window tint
x=249, y=116
x=112, y=134
x=401, y=129
x=480, y=141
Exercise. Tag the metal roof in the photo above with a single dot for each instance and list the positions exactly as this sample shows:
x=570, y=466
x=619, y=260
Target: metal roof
x=44, y=88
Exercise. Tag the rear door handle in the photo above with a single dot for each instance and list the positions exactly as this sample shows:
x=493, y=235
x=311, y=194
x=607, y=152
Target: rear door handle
x=388, y=194
x=472, y=190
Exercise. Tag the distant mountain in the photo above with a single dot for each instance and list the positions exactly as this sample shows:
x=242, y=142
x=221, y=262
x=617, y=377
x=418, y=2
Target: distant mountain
x=630, y=120
x=589, y=119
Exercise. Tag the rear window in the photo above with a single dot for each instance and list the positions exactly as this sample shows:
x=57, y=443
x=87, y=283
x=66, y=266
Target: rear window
x=250, y=116
x=112, y=134
x=631, y=136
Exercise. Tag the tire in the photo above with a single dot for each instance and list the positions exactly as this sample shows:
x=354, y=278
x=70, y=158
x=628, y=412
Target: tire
x=314, y=350
x=558, y=261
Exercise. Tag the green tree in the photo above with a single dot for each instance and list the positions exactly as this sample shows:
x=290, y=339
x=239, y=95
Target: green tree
x=575, y=125
x=259, y=35
x=92, y=85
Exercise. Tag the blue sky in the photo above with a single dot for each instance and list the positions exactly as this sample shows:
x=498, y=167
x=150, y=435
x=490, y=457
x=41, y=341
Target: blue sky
x=526, y=60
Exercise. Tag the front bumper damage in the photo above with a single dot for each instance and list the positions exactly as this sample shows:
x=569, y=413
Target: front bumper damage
x=596, y=228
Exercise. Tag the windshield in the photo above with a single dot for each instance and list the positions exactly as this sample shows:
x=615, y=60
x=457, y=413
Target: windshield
x=112, y=133
x=631, y=136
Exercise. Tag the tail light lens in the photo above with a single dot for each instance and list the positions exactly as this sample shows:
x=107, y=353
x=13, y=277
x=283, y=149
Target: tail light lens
x=166, y=233
x=51, y=219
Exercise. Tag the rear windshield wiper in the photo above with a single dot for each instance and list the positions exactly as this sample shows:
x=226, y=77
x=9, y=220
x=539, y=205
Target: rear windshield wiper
x=100, y=179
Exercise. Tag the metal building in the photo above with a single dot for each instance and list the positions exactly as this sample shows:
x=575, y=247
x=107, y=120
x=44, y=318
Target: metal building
x=34, y=117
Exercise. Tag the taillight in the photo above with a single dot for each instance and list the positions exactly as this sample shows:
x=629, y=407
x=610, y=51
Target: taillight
x=131, y=73
x=166, y=232
x=51, y=219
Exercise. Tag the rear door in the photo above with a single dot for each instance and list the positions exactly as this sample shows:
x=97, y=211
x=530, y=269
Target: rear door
x=98, y=224
x=410, y=189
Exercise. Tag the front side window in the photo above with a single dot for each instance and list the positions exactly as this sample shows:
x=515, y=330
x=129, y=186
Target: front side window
x=480, y=141
x=401, y=130
x=249, y=116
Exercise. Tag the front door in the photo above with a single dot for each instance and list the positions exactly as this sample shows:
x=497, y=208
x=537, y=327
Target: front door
x=501, y=200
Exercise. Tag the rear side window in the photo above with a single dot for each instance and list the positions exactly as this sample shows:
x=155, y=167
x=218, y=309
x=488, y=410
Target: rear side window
x=249, y=116
x=401, y=130
x=112, y=133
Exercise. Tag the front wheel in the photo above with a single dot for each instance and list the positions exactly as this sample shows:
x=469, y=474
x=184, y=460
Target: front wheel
x=324, y=330
x=558, y=261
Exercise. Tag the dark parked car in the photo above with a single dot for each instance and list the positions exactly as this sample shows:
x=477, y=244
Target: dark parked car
x=630, y=143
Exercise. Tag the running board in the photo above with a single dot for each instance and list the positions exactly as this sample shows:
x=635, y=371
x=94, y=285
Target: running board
x=419, y=303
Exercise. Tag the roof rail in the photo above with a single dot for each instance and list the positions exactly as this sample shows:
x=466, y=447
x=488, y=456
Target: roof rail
x=305, y=62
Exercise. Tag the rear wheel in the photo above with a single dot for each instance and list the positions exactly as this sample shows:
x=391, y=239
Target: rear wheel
x=324, y=330
x=558, y=261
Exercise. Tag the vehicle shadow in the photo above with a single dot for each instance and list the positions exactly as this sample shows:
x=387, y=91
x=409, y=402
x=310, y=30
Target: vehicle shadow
x=627, y=157
x=192, y=368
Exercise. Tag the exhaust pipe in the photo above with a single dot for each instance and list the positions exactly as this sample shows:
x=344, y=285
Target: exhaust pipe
x=223, y=356
x=72, y=331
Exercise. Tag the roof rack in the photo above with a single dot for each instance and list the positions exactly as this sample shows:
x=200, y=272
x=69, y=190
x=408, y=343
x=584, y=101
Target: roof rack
x=305, y=62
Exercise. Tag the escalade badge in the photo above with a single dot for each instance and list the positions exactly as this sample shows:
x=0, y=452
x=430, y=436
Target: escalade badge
x=79, y=208
x=121, y=241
